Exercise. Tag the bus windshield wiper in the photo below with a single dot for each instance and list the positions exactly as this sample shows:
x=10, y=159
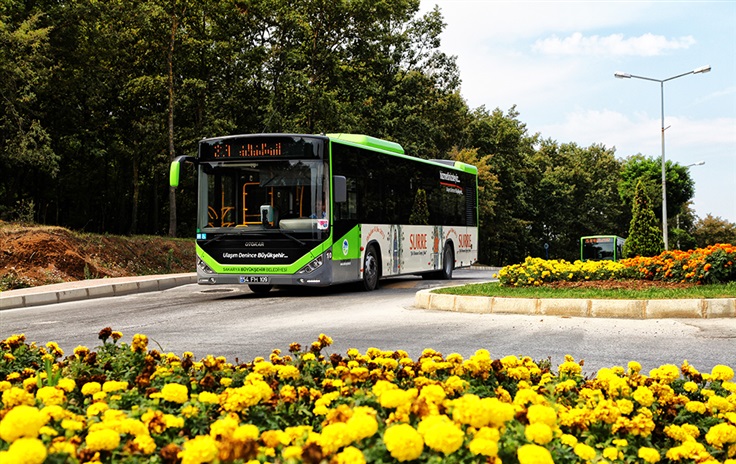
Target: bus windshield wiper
x=291, y=237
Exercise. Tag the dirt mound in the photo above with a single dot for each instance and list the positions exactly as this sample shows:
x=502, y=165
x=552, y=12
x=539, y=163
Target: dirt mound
x=40, y=255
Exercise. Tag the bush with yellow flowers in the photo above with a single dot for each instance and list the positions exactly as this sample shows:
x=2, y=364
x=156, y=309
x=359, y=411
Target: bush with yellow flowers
x=710, y=265
x=128, y=404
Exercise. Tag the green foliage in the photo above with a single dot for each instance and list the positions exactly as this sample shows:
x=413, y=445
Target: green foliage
x=711, y=230
x=577, y=195
x=680, y=186
x=645, y=238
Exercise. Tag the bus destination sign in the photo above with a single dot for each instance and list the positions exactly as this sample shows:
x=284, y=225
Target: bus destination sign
x=599, y=240
x=234, y=148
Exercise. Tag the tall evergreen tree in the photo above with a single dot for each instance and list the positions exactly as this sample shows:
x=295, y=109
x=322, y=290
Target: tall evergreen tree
x=645, y=237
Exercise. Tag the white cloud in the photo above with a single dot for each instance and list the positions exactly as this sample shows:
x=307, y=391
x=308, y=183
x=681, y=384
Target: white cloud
x=614, y=44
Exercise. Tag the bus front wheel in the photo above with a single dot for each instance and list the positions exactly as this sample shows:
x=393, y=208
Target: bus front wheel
x=370, y=269
x=448, y=263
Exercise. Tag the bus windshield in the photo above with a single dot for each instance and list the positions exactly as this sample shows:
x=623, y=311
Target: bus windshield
x=285, y=194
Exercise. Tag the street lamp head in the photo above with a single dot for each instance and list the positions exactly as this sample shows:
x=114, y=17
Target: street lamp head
x=622, y=75
x=702, y=69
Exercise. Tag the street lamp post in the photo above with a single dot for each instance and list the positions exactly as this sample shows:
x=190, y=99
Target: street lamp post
x=622, y=75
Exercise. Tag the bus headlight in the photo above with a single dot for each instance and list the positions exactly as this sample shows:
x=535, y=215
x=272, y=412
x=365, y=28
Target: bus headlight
x=312, y=266
x=204, y=267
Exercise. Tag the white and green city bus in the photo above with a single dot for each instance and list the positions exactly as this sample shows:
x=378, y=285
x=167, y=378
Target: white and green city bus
x=317, y=210
x=601, y=248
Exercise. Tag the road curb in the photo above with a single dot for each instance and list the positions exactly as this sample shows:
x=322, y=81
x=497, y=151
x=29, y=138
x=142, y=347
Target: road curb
x=89, y=289
x=621, y=309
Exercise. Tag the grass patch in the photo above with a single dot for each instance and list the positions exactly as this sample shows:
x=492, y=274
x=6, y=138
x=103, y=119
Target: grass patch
x=653, y=293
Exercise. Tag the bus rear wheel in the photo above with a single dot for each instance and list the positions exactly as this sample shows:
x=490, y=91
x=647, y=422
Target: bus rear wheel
x=260, y=289
x=370, y=269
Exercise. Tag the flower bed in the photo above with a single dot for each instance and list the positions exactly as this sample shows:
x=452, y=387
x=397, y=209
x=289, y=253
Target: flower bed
x=126, y=403
x=714, y=264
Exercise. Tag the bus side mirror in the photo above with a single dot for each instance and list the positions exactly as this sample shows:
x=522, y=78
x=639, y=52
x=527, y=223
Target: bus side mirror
x=175, y=169
x=339, y=189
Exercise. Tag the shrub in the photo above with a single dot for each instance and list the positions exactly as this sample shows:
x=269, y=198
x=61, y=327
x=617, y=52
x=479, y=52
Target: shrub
x=125, y=403
x=711, y=265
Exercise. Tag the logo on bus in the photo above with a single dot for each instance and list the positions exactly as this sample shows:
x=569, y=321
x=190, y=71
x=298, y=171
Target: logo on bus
x=465, y=241
x=417, y=241
x=345, y=247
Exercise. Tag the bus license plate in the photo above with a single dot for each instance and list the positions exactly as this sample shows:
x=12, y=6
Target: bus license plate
x=253, y=279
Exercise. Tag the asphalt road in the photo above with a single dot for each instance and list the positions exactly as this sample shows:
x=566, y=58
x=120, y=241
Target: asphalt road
x=232, y=322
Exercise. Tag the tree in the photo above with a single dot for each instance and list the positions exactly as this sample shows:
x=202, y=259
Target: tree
x=577, y=196
x=503, y=137
x=488, y=188
x=28, y=161
x=645, y=238
x=711, y=230
x=680, y=186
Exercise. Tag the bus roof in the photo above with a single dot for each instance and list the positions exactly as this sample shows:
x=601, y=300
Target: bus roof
x=393, y=147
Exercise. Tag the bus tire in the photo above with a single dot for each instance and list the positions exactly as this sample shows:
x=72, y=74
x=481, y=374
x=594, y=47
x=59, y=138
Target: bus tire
x=448, y=263
x=371, y=269
x=260, y=289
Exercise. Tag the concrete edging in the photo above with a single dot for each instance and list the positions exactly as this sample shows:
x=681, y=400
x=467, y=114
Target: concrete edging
x=629, y=309
x=86, y=290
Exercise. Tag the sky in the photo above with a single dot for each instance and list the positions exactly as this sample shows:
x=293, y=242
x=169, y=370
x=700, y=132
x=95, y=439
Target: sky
x=555, y=61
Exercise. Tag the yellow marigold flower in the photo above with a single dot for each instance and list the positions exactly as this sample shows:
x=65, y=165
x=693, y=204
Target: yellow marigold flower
x=175, y=393
x=441, y=434
x=116, y=335
x=395, y=398
x=334, y=436
x=690, y=387
x=22, y=422
x=539, y=433
x=569, y=440
x=350, y=455
x=274, y=438
x=650, y=455
x=695, y=407
x=570, y=368
x=362, y=424
x=721, y=372
x=666, y=373
x=534, y=454
x=291, y=452
x=634, y=367
x=95, y=409
x=66, y=384
x=50, y=395
x=721, y=434
x=403, y=442
x=72, y=425
x=433, y=394
x=719, y=403
x=540, y=413
x=54, y=349
x=145, y=444
x=288, y=372
x=644, y=396
x=81, y=351
x=102, y=440
x=611, y=453
x=25, y=451
x=200, y=449
x=246, y=432
x=226, y=381
x=59, y=447
x=114, y=385
x=584, y=451
x=140, y=343
x=208, y=397
x=224, y=427
x=483, y=446
x=90, y=388
x=687, y=450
